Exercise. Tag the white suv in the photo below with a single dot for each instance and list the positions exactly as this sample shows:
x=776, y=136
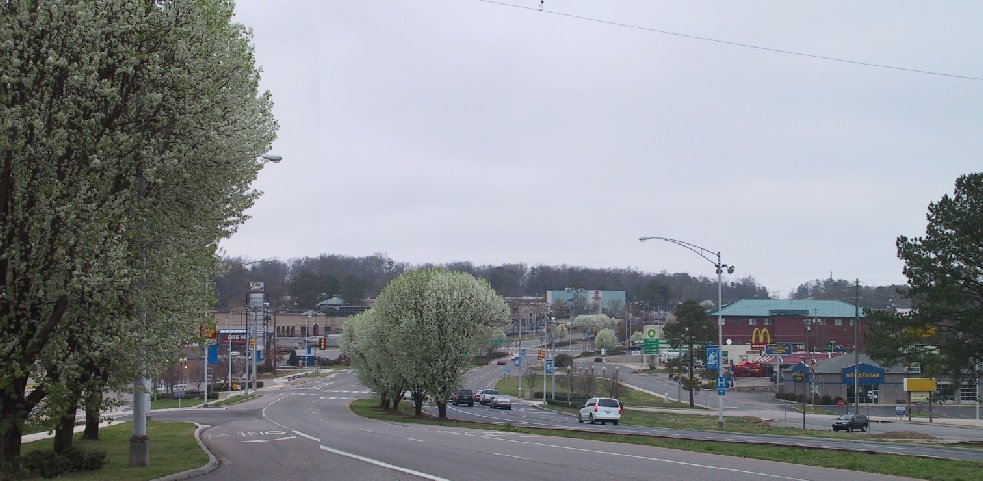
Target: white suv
x=601, y=409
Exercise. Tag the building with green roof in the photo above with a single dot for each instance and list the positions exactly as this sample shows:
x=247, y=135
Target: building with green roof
x=810, y=325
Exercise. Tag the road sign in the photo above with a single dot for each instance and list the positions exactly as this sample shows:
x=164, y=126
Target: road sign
x=522, y=351
x=651, y=346
x=518, y=361
x=213, y=354
x=721, y=391
x=713, y=358
x=549, y=366
x=722, y=382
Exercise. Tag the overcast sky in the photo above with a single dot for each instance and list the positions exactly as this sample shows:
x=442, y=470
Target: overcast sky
x=463, y=130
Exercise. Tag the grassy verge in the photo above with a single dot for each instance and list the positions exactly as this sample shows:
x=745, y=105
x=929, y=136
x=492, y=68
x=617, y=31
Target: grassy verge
x=172, y=449
x=231, y=400
x=629, y=397
x=168, y=403
x=908, y=466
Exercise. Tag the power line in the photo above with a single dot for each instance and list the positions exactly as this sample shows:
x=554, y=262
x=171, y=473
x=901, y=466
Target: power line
x=733, y=44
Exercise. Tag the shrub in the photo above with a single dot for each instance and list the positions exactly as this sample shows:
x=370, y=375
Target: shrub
x=826, y=399
x=564, y=360
x=48, y=464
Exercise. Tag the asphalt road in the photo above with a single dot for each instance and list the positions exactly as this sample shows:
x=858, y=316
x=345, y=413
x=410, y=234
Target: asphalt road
x=307, y=432
x=524, y=414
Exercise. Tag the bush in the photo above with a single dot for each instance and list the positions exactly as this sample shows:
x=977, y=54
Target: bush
x=564, y=360
x=826, y=400
x=48, y=464
x=598, y=359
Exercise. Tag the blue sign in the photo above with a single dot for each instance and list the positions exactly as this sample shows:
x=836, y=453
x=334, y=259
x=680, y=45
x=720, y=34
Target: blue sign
x=549, y=366
x=522, y=352
x=868, y=374
x=518, y=361
x=783, y=348
x=213, y=354
x=722, y=382
x=721, y=391
x=713, y=358
x=259, y=356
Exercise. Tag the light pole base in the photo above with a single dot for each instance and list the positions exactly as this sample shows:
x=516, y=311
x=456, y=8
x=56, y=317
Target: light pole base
x=140, y=451
x=720, y=425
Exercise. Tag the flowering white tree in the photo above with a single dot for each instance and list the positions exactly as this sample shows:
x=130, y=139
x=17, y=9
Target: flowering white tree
x=605, y=339
x=444, y=319
x=123, y=162
x=367, y=341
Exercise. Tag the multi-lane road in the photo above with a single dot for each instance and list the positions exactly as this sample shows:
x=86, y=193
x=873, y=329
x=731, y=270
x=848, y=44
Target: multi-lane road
x=306, y=431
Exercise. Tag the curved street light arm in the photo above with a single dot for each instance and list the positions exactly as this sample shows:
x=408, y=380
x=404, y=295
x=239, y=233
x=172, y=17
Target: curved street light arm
x=700, y=251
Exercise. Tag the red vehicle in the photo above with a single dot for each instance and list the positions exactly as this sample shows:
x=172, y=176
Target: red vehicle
x=751, y=369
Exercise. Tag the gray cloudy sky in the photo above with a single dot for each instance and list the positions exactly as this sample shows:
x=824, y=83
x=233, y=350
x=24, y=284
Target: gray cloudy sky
x=461, y=130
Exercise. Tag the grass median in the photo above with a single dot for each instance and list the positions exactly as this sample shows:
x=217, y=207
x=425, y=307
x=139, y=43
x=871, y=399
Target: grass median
x=173, y=449
x=908, y=466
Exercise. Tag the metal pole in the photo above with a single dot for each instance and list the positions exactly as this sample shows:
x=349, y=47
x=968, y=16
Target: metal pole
x=856, y=350
x=228, y=334
x=544, y=368
x=520, y=357
x=553, y=342
x=720, y=338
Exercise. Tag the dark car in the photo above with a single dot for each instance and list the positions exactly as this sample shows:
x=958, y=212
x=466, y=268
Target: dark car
x=463, y=396
x=849, y=422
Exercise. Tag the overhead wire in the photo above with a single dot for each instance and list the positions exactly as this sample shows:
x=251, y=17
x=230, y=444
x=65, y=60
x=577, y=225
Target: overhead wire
x=731, y=43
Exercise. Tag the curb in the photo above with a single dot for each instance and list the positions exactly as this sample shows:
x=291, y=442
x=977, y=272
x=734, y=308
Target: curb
x=210, y=466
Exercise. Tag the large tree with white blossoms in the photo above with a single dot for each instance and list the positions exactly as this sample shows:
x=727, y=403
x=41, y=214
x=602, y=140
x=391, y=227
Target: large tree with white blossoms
x=439, y=321
x=128, y=138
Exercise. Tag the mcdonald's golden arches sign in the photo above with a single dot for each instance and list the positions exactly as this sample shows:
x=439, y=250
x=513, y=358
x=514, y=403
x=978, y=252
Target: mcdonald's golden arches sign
x=760, y=338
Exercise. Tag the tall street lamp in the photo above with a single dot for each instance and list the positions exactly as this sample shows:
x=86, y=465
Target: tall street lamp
x=700, y=251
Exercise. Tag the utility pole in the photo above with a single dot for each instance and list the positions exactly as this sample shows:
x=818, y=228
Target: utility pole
x=856, y=348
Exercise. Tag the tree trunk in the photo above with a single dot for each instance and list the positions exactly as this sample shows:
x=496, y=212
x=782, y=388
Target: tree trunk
x=93, y=410
x=66, y=424
x=442, y=410
x=418, y=405
x=12, y=415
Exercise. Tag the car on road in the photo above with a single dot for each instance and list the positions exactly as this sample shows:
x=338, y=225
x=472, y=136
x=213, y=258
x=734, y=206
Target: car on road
x=601, y=409
x=501, y=361
x=463, y=396
x=849, y=422
x=501, y=402
x=487, y=395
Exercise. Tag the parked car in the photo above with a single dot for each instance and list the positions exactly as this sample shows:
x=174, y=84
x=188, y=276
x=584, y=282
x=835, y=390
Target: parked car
x=849, y=422
x=501, y=402
x=487, y=395
x=501, y=361
x=463, y=396
x=601, y=409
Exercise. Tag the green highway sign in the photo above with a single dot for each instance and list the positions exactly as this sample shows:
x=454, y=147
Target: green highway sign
x=651, y=346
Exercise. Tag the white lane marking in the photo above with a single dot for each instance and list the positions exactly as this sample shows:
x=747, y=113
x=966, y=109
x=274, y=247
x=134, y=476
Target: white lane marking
x=383, y=464
x=308, y=436
x=511, y=456
x=414, y=439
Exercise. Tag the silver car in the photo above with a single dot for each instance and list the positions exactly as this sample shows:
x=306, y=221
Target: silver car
x=601, y=409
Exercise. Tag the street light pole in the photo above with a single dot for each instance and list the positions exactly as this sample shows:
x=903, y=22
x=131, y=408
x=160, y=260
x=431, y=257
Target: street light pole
x=702, y=252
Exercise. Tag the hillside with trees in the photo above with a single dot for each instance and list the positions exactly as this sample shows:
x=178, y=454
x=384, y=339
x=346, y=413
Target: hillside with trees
x=301, y=283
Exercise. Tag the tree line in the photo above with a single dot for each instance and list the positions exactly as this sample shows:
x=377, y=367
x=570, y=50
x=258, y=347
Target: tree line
x=302, y=283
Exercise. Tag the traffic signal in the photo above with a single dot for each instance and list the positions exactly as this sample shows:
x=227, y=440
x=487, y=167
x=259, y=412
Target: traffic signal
x=541, y=354
x=252, y=343
x=322, y=343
